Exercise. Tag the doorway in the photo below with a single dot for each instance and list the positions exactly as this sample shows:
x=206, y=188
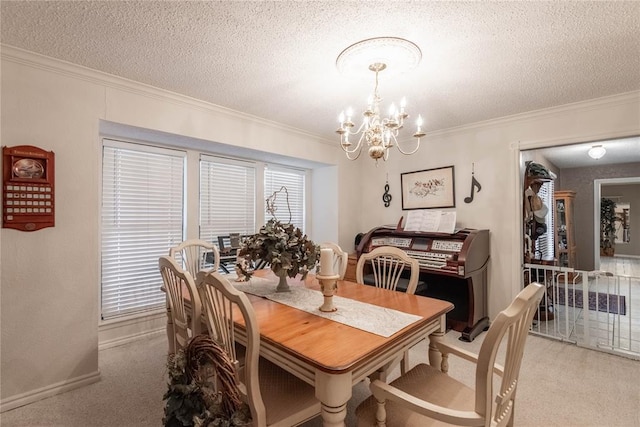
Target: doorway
x=578, y=172
x=569, y=289
x=619, y=190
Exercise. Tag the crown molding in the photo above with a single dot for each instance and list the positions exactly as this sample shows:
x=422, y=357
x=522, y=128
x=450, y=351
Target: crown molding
x=625, y=98
x=58, y=66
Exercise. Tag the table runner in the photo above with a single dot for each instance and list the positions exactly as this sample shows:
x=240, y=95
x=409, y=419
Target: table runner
x=367, y=317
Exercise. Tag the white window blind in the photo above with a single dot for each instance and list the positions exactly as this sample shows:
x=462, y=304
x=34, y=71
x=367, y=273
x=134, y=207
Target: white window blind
x=142, y=217
x=227, y=198
x=294, y=180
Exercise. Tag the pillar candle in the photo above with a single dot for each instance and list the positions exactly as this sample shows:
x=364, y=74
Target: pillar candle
x=326, y=262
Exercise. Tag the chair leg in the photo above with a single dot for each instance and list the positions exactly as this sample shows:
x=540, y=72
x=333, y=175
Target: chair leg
x=170, y=332
x=513, y=412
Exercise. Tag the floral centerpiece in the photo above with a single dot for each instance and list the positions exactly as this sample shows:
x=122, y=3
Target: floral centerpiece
x=283, y=246
x=288, y=251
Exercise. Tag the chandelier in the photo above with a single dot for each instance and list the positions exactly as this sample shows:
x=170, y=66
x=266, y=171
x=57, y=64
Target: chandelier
x=378, y=132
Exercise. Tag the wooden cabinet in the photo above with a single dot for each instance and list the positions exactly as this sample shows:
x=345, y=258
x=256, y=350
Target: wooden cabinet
x=565, y=241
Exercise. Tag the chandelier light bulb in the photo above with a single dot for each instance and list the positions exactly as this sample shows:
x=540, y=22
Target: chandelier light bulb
x=349, y=113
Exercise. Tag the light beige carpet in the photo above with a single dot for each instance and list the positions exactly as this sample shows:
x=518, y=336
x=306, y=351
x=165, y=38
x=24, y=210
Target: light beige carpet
x=560, y=385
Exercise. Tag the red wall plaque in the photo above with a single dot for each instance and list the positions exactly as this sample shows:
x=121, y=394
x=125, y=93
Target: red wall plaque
x=28, y=193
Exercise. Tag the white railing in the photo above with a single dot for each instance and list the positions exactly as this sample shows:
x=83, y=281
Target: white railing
x=594, y=309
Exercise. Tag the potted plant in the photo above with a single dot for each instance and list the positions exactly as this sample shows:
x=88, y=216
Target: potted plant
x=288, y=251
x=283, y=246
x=607, y=226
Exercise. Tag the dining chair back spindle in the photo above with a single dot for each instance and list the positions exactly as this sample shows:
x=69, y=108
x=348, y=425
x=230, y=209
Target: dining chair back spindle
x=427, y=396
x=275, y=397
x=196, y=255
x=340, y=258
x=180, y=287
x=387, y=265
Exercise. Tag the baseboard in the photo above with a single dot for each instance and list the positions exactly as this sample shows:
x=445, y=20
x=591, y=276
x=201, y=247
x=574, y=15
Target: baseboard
x=626, y=256
x=48, y=391
x=68, y=385
x=118, y=332
x=130, y=338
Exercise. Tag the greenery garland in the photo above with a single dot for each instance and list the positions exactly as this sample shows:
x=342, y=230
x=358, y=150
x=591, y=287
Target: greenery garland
x=192, y=398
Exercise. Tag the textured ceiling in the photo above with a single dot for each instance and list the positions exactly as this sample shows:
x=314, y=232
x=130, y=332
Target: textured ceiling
x=276, y=60
x=624, y=150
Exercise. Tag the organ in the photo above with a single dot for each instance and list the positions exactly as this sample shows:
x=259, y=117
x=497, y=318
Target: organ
x=453, y=267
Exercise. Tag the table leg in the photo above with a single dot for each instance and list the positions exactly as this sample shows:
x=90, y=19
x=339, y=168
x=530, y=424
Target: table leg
x=333, y=391
x=435, y=357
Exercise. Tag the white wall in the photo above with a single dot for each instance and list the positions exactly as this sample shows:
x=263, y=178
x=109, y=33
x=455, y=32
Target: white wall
x=50, y=278
x=494, y=148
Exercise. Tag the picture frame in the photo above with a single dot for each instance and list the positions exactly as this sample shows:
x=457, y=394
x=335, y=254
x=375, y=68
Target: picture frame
x=428, y=189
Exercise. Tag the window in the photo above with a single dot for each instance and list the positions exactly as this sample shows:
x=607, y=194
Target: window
x=144, y=213
x=277, y=177
x=142, y=217
x=227, y=197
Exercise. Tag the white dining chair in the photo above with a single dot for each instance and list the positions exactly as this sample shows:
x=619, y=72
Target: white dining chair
x=195, y=255
x=427, y=396
x=387, y=265
x=185, y=319
x=275, y=397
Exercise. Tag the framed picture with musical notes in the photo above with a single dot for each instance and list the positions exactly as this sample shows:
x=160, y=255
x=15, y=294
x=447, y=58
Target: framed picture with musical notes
x=428, y=189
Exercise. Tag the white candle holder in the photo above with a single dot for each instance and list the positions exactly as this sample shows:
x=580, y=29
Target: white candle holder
x=328, y=286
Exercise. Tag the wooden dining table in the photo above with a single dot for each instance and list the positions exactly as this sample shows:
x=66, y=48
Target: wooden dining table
x=332, y=356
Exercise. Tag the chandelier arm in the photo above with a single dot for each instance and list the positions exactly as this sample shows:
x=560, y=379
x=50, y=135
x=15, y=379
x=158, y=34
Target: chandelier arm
x=407, y=153
x=359, y=129
x=358, y=146
x=359, y=151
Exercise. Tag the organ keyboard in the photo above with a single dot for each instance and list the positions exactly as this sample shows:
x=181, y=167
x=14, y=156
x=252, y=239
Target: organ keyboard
x=453, y=266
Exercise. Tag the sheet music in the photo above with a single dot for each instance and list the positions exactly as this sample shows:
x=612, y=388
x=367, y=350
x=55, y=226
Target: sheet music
x=422, y=220
x=431, y=221
x=447, y=222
